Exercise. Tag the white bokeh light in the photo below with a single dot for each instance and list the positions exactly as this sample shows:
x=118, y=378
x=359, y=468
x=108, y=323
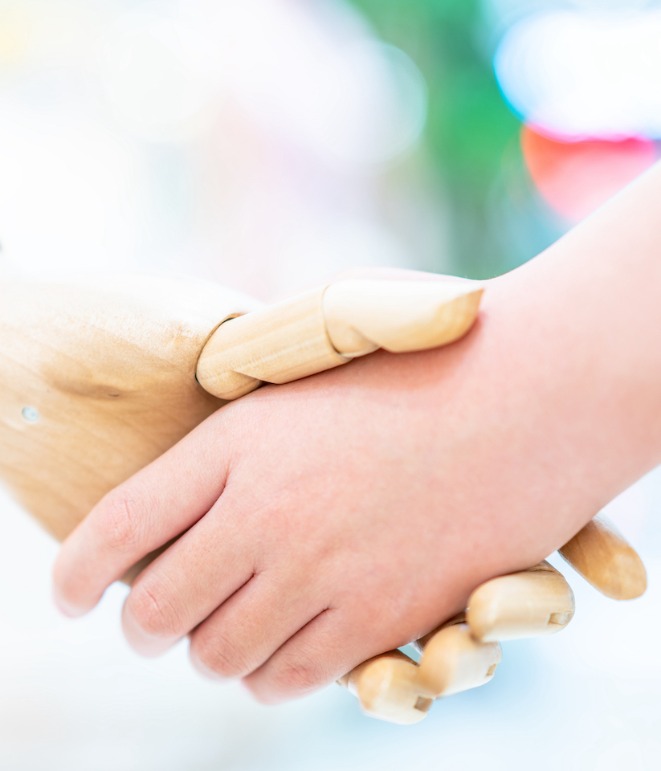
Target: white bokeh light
x=503, y=13
x=585, y=73
x=159, y=76
x=328, y=87
x=366, y=103
x=70, y=198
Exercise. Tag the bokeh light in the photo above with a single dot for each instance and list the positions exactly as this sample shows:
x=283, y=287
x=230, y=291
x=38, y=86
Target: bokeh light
x=585, y=73
x=576, y=177
x=158, y=76
x=583, y=80
x=329, y=87
x=362, y=103
x=71, y=194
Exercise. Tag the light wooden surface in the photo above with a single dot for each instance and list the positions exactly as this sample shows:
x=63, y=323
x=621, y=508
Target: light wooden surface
x=393, y=687
x=276, y=344
x=453, y=660
x=332, y=325
x=98, y=379
x=362, y=315
x=530, y=603
x=605, y=559
x=525, y=604
x=387, y=688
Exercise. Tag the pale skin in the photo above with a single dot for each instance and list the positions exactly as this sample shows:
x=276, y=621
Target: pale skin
x=325, y=521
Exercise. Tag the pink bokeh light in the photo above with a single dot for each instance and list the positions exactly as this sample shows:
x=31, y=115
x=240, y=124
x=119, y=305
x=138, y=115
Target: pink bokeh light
x=576, y=177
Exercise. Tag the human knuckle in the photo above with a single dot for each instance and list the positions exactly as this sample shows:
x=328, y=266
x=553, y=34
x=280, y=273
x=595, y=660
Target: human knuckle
x=220, y=655
x=297, y=675
x=153, y=612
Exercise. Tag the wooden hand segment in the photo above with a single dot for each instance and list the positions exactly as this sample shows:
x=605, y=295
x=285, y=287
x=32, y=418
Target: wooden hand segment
x=605, y=559
x=330, y=326
x=393, y=687
x=387, y=688
x=97, y=379
x=526, y=604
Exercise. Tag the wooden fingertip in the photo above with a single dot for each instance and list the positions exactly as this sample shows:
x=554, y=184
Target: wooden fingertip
x=530, y=603
x=606, y=560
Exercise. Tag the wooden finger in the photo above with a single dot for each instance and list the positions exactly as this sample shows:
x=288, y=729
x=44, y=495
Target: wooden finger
x=329, y=326
x=392, y=687
x=365, y=314
x=606, y=560
x=387, y=688
x=276, y=344
x=453, y=661
x=527, y=604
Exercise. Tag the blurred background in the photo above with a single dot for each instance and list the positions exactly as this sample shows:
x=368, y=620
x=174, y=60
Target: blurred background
x=267, y=144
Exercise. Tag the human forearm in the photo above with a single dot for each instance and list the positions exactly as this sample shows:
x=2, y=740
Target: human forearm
x=583, y=319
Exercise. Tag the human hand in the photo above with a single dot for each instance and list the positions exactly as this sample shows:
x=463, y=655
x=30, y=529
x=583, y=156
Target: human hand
x=296, y=514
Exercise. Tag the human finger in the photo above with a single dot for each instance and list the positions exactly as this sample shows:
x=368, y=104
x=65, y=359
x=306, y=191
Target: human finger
x=241, y=635
x=141, y=515
x=330, y=645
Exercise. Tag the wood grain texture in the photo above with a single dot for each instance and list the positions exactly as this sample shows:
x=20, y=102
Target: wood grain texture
x=98, y=379
x=454, y=661
x=394, y=688
x=277, y=344
x=526, y=604
x=362, y=315
x=606, y=560
x=329, y=326
x=386, y=687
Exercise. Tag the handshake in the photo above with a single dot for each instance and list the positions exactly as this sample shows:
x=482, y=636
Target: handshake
x=99, y=380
